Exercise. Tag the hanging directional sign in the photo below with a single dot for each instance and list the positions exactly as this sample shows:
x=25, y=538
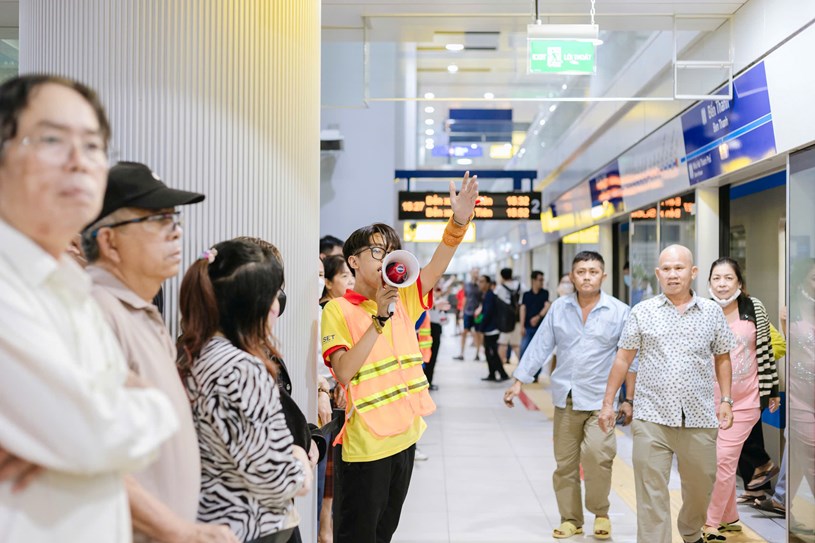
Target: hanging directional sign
x=561, y=56
x=500, y=206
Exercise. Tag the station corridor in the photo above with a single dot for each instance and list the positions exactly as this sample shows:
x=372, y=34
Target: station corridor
x=489, y=473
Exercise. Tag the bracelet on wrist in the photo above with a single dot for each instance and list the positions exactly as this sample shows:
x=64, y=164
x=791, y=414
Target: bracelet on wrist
x=323, y=391
x=628, y=400
x=378, y=326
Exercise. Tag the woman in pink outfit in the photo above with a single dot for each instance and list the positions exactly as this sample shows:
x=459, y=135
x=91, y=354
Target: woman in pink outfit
x=754, y=387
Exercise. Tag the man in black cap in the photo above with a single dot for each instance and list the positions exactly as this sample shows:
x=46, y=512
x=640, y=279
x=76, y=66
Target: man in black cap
x=131, y=248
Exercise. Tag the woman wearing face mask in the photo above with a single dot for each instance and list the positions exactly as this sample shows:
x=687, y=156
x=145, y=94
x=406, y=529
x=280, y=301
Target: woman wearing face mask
x=565, y=287
x=754, y=387
x=250, y=468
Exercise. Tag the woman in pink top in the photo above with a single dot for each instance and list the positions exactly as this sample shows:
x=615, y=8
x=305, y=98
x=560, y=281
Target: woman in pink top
x=754, y=386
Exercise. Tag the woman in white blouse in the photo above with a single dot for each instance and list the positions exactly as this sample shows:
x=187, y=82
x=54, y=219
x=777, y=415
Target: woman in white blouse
x=251, y=469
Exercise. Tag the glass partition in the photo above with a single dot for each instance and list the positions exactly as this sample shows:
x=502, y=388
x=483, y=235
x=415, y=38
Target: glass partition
x=644, y=252
x=800, y=460
x=677, y=224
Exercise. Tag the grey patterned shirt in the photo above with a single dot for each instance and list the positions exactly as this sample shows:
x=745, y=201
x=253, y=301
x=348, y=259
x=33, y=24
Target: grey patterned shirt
x=676, y=370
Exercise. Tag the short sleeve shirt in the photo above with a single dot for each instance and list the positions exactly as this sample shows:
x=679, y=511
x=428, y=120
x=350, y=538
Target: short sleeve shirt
x=676, y=376
x=473, y=298
x=358, y=443
x=534, y=304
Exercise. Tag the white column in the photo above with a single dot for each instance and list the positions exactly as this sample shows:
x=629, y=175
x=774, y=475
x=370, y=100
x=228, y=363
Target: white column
x=707, y=235
x=606, y=249
x=219, y=97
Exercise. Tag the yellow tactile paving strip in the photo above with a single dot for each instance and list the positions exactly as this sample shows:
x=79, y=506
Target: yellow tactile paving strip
x=622, y=481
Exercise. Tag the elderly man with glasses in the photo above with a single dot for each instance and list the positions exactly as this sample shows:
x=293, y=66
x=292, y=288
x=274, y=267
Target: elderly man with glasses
x=65, y=404
x=131, y=249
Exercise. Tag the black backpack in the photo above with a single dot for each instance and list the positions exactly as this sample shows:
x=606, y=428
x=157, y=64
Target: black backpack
x=507, y=315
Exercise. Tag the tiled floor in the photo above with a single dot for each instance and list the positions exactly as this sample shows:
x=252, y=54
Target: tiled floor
x=489, y=475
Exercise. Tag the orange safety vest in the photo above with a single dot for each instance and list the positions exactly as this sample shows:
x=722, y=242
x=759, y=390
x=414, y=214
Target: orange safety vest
x=390, y=389
x=425, y=338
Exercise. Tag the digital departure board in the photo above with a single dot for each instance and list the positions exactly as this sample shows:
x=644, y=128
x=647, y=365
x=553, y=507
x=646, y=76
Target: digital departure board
x=492, y=206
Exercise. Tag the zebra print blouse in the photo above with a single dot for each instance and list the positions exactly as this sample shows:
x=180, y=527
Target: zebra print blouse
x=248, y=473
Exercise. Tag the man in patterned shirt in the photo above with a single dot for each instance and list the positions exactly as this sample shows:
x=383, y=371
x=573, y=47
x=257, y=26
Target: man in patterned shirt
x=681, y=340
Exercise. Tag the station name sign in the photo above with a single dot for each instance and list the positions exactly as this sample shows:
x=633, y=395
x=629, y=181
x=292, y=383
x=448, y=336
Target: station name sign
x=494, y=206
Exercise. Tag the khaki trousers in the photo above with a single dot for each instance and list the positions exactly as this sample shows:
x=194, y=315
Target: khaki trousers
x=654, y=448
x=579, y=440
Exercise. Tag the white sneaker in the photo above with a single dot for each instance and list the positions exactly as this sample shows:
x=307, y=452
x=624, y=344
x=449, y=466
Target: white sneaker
x=420, y=455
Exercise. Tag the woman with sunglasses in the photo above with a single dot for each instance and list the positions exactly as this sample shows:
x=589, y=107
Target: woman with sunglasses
x=251, y=468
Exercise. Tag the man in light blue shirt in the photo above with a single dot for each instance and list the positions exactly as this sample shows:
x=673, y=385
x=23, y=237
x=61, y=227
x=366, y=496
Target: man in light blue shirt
x=584, y=327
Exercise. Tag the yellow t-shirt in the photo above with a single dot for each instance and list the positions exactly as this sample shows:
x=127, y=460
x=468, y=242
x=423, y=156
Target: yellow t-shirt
x=358, y=443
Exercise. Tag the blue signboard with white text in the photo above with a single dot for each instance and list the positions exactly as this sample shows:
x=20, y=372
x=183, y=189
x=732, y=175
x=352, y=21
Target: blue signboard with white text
x=723, y=136
x=605, y=186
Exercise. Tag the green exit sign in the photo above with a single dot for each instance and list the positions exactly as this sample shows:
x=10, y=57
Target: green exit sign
x=561, y=56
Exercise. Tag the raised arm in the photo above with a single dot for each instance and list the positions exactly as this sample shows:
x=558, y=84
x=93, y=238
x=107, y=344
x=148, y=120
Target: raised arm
x=463, y=205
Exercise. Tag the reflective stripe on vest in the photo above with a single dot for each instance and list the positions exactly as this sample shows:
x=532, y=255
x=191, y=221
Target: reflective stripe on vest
x=425, y=338
x=390, y=389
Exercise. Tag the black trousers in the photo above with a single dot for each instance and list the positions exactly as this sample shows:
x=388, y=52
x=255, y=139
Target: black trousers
x=368, y=497
x=494, y=365
x=753, y=455
x=435, y=333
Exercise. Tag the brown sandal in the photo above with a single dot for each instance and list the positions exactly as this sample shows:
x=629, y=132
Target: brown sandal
x=764, y=477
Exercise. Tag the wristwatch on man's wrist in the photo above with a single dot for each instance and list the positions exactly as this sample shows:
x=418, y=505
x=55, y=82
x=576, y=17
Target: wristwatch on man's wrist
x=728, y=400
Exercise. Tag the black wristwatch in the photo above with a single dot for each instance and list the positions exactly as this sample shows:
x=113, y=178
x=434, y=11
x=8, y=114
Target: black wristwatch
x=382, y=320
x=629, y=401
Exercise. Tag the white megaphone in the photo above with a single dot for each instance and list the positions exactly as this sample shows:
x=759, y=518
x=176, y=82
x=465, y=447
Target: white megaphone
x=400, y=269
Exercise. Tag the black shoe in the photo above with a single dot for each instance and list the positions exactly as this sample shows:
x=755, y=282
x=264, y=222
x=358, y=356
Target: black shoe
x=433, y=387
x=458, y=357
x=476, y=359
x=489, y=378
x=503, y=378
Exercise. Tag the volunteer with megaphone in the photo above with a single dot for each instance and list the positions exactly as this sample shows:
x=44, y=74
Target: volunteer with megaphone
x=370, y=344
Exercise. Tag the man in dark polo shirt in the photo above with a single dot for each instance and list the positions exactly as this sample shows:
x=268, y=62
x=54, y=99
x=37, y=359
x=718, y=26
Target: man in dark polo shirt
x=534, y=305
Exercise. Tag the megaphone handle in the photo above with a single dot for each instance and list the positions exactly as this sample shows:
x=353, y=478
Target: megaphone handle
x=391, y=308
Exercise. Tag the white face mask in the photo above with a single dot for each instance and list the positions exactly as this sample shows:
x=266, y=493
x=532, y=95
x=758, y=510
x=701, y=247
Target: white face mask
x=565, y=288
x=728, y=301
x=320, y=285
x=627, y=280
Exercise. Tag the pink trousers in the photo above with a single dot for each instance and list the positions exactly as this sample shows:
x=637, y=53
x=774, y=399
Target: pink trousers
x=722, y=506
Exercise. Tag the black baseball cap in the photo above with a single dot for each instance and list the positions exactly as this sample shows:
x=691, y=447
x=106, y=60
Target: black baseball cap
x=132, y=184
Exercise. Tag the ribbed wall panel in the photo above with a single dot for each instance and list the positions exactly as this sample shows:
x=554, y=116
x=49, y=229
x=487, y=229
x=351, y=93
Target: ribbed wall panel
x=220, y=97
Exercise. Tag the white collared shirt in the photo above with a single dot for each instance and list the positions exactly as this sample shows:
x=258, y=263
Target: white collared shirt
x=63, y=405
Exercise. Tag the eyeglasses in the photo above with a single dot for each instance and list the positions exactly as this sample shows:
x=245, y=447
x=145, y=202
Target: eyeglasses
x=377, y=252
x=55, y=146
x=159, y=223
